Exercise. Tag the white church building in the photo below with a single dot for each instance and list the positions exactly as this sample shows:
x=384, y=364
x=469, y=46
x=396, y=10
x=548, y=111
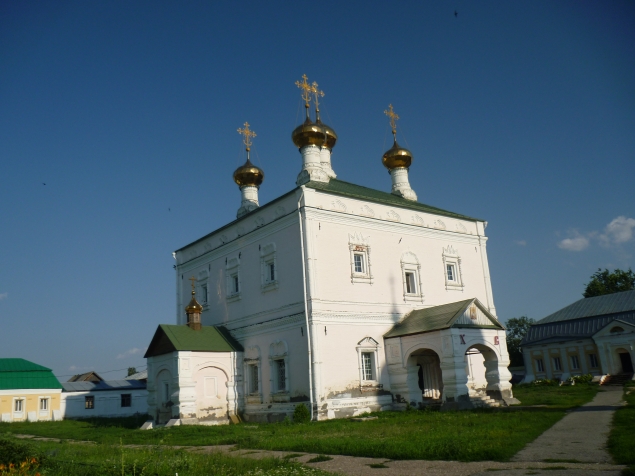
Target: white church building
x=333, y=295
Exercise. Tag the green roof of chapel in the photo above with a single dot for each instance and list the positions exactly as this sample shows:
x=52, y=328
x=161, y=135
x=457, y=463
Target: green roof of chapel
x=170, y=338
x=22, y=374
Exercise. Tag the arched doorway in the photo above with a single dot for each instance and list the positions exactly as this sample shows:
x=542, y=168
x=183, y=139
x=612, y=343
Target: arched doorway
x=211, y=396
x=625, y=361
x=481, y=367
x=428, y=375
x=164, y=396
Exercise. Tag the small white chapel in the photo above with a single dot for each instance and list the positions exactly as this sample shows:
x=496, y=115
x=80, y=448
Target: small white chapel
x=335, y=296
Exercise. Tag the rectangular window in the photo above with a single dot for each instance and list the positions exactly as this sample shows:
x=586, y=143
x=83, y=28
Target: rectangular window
x=540, y=367
x=166, y=392
x=204, y=293
x=235, y=287
x=282, y=376
x=411, y=287
x=575, y=362
x=359, y=262
x=451, y=272
x=556, y=364
x=18, y=406
x=126, y=400
x=367, y=366
x=593, y=360
x=270, y=272
x=44, y=404
x=253, y=377
x=89, y=402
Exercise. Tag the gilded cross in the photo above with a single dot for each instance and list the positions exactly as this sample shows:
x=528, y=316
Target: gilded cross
x=193, y=279
x=393, y=118
x=316, y=94
x=306, y=90
x=247, y=135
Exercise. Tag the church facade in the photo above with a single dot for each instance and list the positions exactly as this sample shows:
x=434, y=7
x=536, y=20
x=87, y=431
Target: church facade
x=336, y=296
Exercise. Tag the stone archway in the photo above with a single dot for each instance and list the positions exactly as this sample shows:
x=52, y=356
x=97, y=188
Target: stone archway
x=163, y=386
x=211, y=396
x=483, y=372
x=424, y=374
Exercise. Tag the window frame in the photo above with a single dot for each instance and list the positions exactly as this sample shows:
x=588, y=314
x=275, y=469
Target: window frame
x=89, y=402
x=557, y=364
x=125, y=398
x=363, y=250
x=370, y=347
x=594, y=363
x=21, y=413
x=410, y=265
x=233, y=280
x=267, y=260
x=540, y=365
x=452, y=258
x=46, y=401
x=575, y=362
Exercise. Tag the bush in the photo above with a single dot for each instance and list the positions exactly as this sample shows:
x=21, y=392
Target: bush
x=588, y=378
x=16, y=451
x=301, y=414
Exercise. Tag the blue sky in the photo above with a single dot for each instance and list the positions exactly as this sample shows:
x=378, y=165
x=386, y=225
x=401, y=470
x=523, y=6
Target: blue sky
x=521, y=113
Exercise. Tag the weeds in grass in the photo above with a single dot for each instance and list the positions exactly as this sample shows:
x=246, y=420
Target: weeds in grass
x=292, y=455
x=621, y=443
x=319, y=459
x=555, y=460
x=378, y=465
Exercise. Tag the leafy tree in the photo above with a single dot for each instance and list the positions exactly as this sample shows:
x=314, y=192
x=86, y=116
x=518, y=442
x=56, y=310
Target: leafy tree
x=605, y=282
x=517, y=328
x=131, y=371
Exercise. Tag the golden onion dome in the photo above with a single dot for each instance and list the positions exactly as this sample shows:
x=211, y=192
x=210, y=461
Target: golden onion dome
x=309, y=133
x=248, y=174
x=193, y=306
x=397, y=156
x=329, y=133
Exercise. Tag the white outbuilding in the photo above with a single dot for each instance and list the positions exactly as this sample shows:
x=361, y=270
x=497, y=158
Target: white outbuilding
x=333, y=295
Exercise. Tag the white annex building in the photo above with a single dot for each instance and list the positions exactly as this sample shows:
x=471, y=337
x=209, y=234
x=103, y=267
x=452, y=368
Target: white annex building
x=333, y=295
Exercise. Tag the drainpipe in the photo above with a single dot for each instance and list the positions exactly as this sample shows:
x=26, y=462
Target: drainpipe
x=306, y=306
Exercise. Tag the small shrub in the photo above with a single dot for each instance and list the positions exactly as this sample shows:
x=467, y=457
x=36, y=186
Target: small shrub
x=319, y=459
x=587, y=378
x=13, y=451
x=301, y=414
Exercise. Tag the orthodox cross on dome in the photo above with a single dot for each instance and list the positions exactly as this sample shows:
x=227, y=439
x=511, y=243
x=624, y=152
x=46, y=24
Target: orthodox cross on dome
x=247, y=134
x=193, y=279
x=306, y=92
x=393, y=119
x=316, y=94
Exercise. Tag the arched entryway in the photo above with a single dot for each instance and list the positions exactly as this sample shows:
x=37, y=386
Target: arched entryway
x=481, y=368
x=428, y=374
x=211, y=395
x=626, y=363
x=164, y=396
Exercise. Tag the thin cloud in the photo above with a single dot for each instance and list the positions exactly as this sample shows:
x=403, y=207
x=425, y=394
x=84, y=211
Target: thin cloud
x=618, y=232
x=131, y=352
x=4, y=296
x=521, y=242
x=578, y=243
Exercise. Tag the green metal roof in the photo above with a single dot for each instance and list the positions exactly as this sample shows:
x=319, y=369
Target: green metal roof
x=171, y=338
x=594, y=306
x=22, y=374
x=439, y=317
x=339, y=187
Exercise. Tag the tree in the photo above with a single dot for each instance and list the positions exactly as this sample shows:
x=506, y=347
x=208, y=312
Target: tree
x=517, y=328
x=605, y=282
x=131, y=371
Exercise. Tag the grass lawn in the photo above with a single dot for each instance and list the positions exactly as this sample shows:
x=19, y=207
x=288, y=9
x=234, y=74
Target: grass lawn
x=464, y=436
x=66, y=459
x=555, y=396
x=622, y=438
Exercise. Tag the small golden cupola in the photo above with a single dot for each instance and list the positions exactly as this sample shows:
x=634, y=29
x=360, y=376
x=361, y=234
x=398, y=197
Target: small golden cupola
x=193, y=310
x=248, y=177
x=311, y=138
x=397, y=160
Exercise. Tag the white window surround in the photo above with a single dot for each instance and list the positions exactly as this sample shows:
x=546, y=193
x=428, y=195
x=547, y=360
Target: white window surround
x=44, y=405
x=358, y=245
x=279, y=355
x=452, y=259
x=18, y=407
x=234, y=284
x=368, y=345
x=267, y=261
x=252, y=371
x=410, y=265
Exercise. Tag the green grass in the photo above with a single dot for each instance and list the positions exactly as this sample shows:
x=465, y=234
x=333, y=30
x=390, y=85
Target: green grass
x=319, y=459
x=64, y=459
x=478, y=435
x=622, y=437
x=567, y=396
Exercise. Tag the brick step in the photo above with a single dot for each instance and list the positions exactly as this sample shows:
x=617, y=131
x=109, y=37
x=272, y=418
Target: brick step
x=617, y=379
